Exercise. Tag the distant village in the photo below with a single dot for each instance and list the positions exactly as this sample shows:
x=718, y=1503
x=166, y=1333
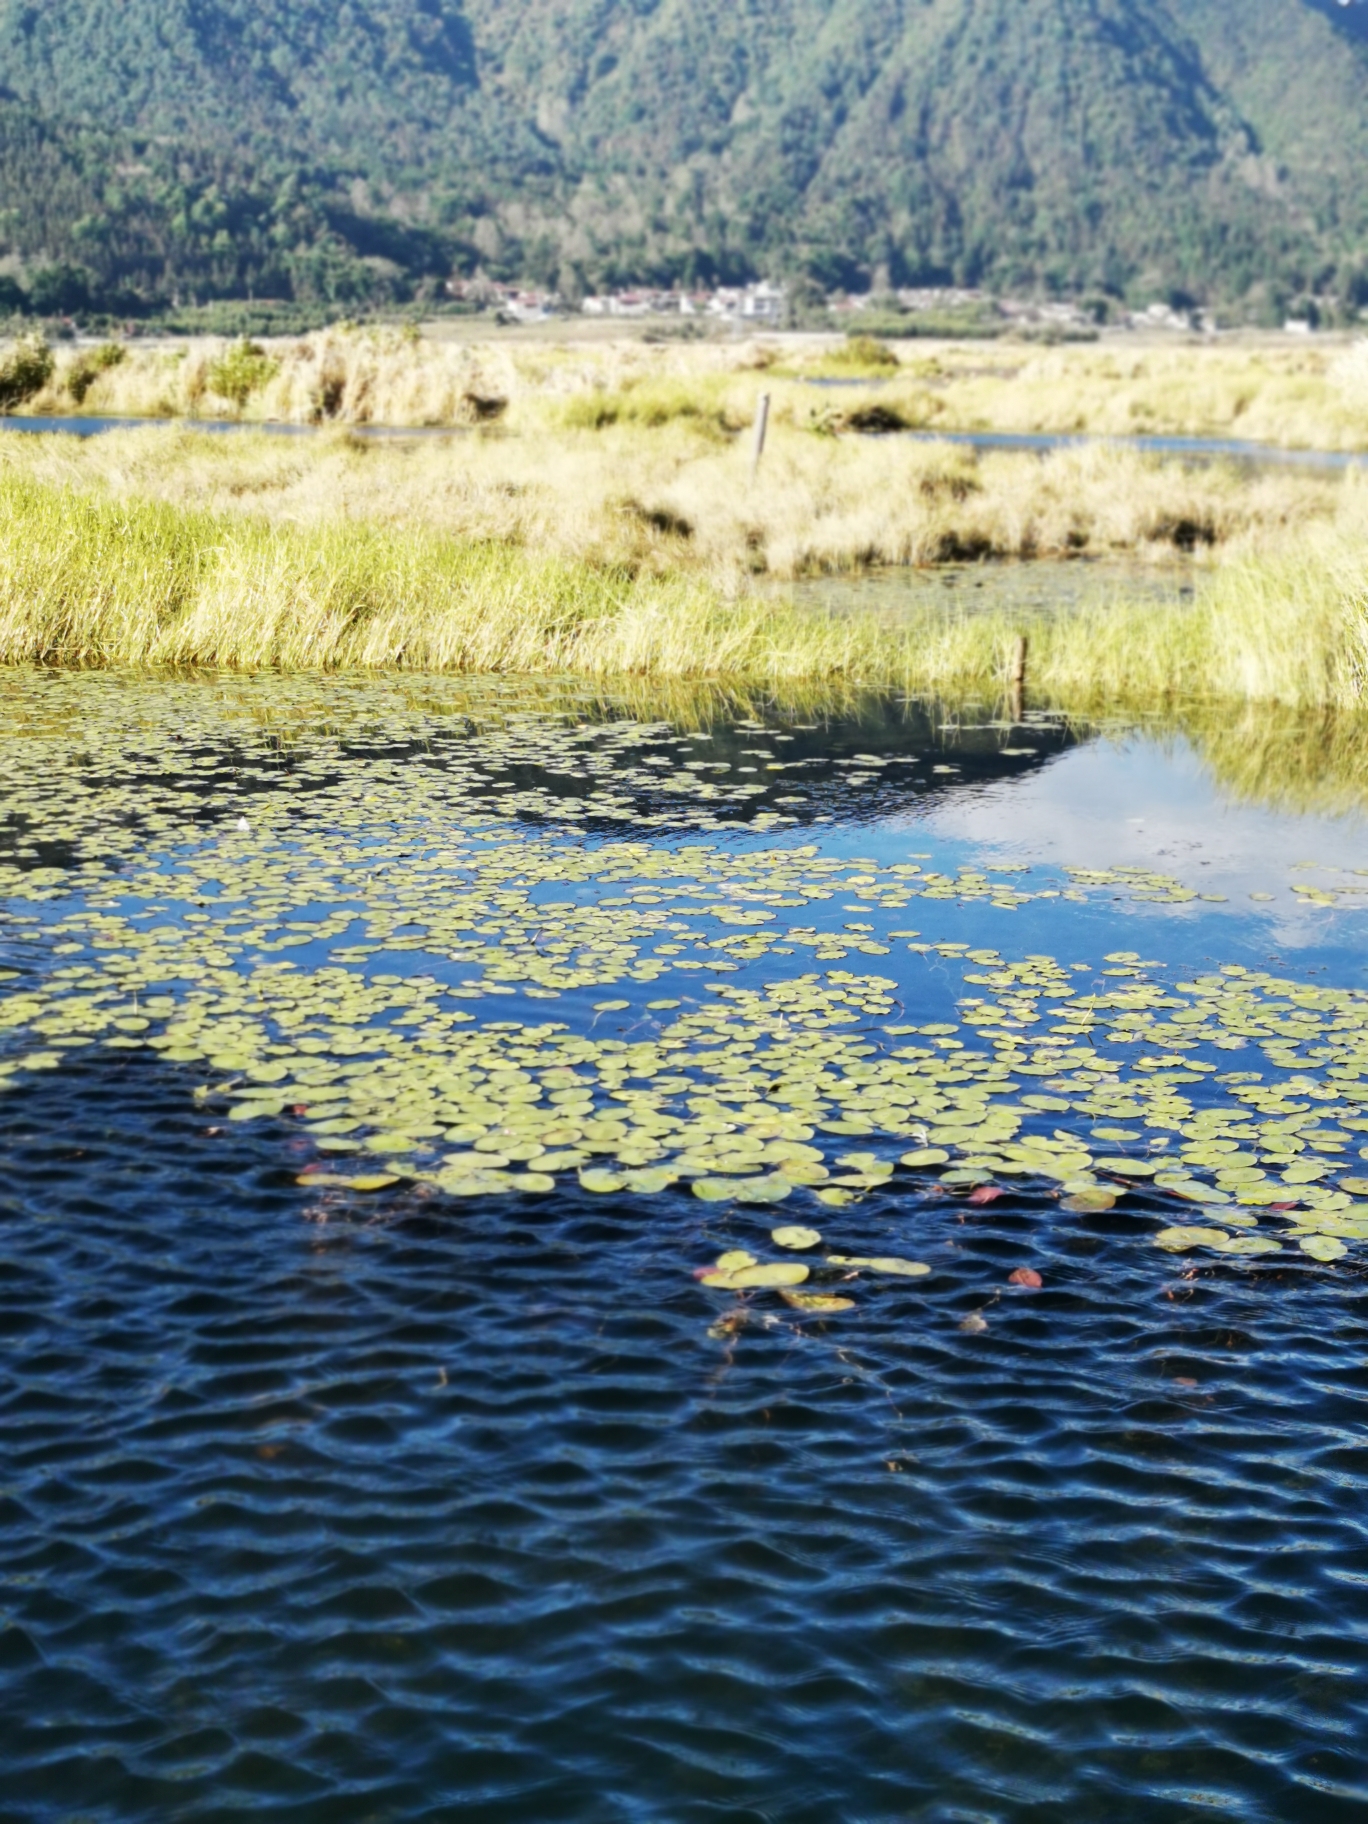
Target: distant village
x=766, y=306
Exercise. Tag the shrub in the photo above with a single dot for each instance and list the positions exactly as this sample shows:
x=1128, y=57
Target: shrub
x=24, y=371
x=652, y=406
x=241, y=371
x=87, y=368
x=865, y=351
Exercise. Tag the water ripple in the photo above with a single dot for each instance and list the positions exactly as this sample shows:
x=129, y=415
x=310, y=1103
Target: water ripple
x=382, y=1512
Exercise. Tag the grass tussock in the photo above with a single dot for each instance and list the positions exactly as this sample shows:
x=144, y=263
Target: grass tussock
x=86, y=581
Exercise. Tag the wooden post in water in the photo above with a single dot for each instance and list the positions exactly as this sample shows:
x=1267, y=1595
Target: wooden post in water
x=1019, y=677
x=761, y=426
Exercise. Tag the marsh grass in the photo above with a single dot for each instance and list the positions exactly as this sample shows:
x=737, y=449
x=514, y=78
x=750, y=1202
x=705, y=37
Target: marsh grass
x=86, y=580
x=681, y=501
x=608, y=525
x=1312, y=394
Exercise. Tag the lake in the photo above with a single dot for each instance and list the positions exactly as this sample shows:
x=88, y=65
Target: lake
x=649, y=1255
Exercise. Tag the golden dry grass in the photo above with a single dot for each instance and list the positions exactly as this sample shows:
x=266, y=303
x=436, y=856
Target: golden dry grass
x=679, y=502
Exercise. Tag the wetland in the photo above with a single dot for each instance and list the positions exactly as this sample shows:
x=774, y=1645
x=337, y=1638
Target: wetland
x=684, y=1137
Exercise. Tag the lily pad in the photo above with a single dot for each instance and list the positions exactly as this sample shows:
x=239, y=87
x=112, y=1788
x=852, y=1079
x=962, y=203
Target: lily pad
x=868, y=1163
x=717, y=1190
x=816, y=1301
x=1180, y=1239
x=882, y=1263
x=1323, y=1247
x=649, y=1183
x=796, y=1237
x=1194, y=1191
x=601, y=1182
x=366, y=1181
x=769, y=1275
x=773, y=1189
x=1081, y=1202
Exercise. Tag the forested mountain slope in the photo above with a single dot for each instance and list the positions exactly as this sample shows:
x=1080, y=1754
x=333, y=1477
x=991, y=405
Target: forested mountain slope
x=216, y=147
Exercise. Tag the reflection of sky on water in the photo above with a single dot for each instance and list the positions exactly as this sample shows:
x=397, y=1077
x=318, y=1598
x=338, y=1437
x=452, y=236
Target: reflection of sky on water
x=1133, y=802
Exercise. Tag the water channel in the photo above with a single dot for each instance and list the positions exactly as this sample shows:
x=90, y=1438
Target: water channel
x=1242, y=452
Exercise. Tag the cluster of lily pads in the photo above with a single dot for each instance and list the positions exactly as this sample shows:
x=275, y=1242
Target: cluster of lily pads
x=304, y=917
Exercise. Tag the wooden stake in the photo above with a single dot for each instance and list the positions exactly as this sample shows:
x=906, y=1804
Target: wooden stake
x=1018, y=676
x=761, y=426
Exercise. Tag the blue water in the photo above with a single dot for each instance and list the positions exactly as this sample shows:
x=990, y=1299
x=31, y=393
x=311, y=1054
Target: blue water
x=332, y=1509
x=1187, y=449
x=78, y=425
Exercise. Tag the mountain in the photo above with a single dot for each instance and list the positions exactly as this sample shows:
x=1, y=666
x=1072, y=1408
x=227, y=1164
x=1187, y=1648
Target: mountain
x=220, y=148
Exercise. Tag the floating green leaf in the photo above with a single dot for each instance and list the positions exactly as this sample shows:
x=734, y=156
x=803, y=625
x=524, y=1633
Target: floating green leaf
x=366, y=1181
x=883, y=1263
x=795, y=1237
x=1180, y=1239
x=1083, y=1201
x=717, y=1190
x=817, y=1301
x=1323, y=1247
x=761, y=1277
x=601, y=1182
